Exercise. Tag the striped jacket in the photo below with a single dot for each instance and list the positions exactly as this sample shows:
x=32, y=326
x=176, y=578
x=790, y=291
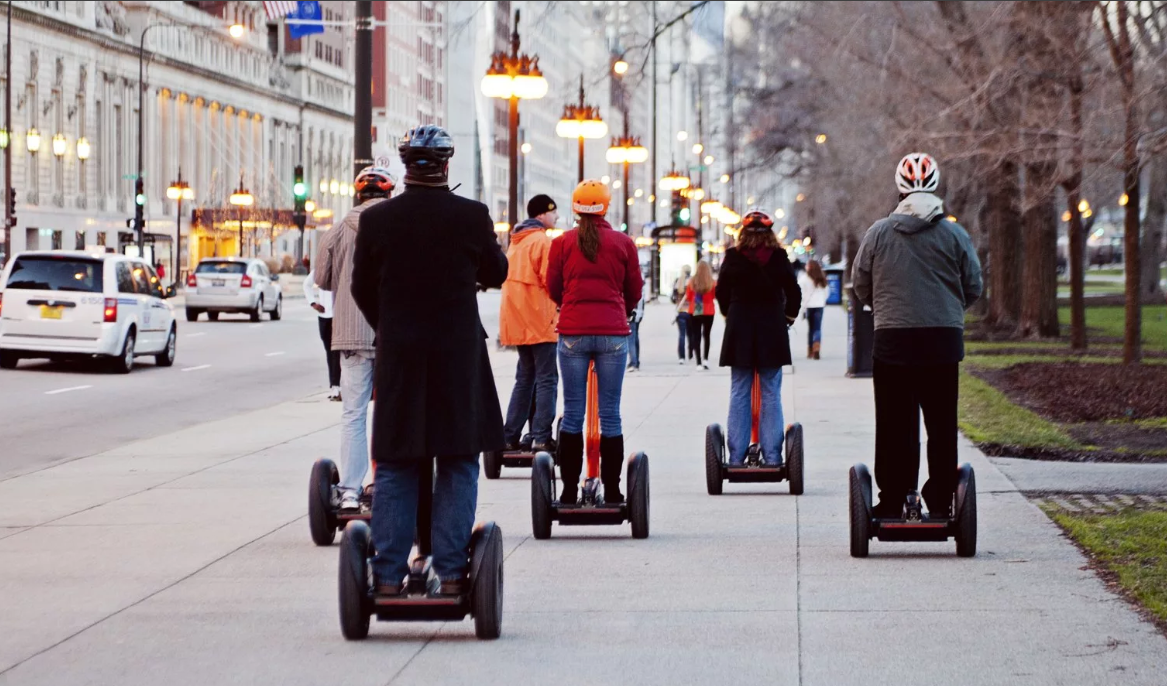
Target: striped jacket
x=334, y=271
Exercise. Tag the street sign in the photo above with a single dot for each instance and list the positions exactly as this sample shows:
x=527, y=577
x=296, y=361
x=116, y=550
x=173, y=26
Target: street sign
x=383, y=162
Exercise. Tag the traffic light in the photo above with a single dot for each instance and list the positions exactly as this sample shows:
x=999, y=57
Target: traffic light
x=12, y=206
x=680, y=210
x=139, y=193
x=299, y=188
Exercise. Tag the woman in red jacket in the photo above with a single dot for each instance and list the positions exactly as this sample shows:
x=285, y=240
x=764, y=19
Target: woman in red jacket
x=593, y=274
x=699, y=294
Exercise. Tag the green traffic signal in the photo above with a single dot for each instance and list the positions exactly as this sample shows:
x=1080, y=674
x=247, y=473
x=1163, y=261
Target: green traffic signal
x=684, y=214
x=300, y=189
x=140, y=198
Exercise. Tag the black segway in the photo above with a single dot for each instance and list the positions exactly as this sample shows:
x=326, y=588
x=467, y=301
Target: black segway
x=591, y=508
x=494, y=460
x=325, y=517
x=914, y=524
x=754, y=469
x=482, y=599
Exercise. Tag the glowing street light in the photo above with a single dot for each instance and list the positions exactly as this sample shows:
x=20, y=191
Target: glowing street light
x=581, y=121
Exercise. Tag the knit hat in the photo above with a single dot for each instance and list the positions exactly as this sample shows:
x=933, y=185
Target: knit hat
x=540, y=204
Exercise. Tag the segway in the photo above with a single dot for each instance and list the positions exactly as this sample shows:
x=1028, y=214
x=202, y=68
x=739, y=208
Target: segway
x=494, y=460
x=481, y=600
x=754, y=469
x=914, y=524
x=325, y=517
x=590, y=508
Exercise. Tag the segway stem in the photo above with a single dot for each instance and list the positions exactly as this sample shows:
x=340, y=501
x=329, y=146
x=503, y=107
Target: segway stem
x=755, y=408
x=592, y=424
x=425, y=507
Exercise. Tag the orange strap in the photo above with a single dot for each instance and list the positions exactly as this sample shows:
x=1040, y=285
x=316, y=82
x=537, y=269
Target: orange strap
x=755, y=408
x=592, y=424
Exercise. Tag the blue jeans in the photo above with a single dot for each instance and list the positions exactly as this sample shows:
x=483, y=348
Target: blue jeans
x=395, y=516
x=814, y=321
x=771, y=430
x=683, y=335
x=610, y=354
x=634, y=345
x=535, y=378
x=356, y=390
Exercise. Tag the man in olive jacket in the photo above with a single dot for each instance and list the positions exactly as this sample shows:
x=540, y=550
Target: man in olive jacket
x=418, y=259
x=918, y=272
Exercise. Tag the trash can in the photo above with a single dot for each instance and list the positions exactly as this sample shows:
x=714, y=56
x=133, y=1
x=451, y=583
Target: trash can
x=834, y=285
x=860, y=337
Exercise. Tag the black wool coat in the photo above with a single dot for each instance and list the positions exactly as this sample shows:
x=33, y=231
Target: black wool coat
x=758, y=301
x=417, y=263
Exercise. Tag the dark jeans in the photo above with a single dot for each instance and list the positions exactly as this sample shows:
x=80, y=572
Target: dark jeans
x=536, y=379
x=814, y=325
x=610, y=354
x=395, y=516
x=683, y=335
x=901, y=392
x=700, y=326
x=332, y=355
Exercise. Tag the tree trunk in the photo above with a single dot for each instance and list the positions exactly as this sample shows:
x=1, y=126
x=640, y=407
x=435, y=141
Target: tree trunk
x=1132, y=351
x=1004, y=245
x=1039, y=306
x=1152, y=247
x=1076, y=261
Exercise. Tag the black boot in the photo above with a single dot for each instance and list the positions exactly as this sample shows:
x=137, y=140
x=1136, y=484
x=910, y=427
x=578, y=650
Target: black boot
x=570, y=460
x=611, y=464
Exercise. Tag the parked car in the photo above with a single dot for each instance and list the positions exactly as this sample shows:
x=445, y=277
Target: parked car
x=230, y=284
x=62, y=304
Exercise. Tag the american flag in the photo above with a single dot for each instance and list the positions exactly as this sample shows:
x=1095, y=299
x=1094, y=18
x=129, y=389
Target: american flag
x=278, y=10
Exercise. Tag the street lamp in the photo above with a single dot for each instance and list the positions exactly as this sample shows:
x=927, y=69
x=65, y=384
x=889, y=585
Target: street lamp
x=241, y=198
x=627, y=150
x=581, y=121
x=83, y=148
x=179, y=190
x=237, y=31
x=674, y=181
x=3, y=139
x=60, y=145
x=511, y=77
x=32, y=141
x=620, y=67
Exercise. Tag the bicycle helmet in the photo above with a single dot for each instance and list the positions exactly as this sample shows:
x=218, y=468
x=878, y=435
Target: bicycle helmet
x=374, y=181
x=591, y=197
x=917, y=173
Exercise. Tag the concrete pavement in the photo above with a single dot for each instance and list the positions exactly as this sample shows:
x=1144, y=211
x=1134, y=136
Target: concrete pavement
x=185, y=558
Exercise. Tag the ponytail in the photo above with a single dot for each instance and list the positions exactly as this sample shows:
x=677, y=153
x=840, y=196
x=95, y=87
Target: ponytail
x=589, y=236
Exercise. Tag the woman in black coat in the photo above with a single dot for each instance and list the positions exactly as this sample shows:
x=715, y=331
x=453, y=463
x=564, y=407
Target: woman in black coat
x=759, y=296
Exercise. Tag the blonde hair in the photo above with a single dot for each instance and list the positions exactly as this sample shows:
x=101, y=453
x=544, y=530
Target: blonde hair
x=702, y=281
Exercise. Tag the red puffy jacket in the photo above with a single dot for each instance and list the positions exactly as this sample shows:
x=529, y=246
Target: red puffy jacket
x=594, y=297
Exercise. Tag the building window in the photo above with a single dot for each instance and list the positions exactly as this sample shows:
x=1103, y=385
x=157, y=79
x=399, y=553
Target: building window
x=319, y=50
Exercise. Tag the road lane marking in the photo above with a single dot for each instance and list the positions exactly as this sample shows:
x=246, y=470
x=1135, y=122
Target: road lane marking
x=196, y=335
x=66, y=390
x=255, y=326
x=275, y=354
x=195, y=369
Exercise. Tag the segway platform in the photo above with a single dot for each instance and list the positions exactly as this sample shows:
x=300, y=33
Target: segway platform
x=590, y=509
x=915, y=524
x=494, y=460
x=325, y=517
x=754, y=469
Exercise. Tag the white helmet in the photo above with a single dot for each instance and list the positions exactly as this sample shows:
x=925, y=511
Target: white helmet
x=917, y=173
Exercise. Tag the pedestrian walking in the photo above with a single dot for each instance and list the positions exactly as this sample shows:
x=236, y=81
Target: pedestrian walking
x=352, y=336
x=594, y=276
x=417, y=260
x=813, y=283
x=918, y=272
x=760, y=299
x=700, y=293
x=634, y=325
x=320, y=300
x=527, y=319
x=682, y=318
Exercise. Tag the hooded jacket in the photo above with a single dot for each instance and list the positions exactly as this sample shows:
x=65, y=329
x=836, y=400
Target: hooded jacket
x=527, y=314
x=918, y=275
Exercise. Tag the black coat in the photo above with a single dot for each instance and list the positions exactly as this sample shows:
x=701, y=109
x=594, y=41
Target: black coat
x=759, y=302
x=418, y=259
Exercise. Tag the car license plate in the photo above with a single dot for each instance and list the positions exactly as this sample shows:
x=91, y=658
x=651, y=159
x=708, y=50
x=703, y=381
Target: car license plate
x=48, y=312
x=218, y=283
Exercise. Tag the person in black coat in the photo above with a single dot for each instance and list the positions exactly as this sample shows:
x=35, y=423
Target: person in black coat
x=418, y=260
x=760, y=298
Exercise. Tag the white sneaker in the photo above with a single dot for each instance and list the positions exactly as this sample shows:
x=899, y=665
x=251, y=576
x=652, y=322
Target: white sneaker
x=334, y=393
x=705, y=367
x=680, y=362
x=349, y=500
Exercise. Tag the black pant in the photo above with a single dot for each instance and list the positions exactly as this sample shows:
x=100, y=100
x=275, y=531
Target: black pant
x=901, y=392
x=700, y=326
x=333, y=355
x=533, y=398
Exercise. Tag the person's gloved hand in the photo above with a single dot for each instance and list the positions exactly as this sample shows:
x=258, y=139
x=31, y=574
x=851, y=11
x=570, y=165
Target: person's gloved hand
x=318, y=307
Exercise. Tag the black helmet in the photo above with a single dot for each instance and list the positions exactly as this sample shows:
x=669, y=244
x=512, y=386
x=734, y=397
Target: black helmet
x=424, y=145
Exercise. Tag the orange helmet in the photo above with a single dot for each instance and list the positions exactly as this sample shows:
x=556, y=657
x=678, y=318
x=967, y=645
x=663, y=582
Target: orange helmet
x=591, y=197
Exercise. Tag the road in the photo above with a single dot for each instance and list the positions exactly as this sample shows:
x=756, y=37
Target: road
x=54, y=412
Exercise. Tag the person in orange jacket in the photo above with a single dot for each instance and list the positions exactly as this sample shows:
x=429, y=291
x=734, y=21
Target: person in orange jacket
x=527, y=319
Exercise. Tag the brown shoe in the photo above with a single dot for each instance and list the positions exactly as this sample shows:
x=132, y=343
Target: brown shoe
x=453, y=587
x=816, y=349
x=810, y=352
x=388, y=590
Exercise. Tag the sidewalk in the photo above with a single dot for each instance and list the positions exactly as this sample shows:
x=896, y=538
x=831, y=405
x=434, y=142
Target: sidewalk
x=186, y=560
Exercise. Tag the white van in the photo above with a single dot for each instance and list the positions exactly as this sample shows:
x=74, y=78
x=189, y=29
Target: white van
x=62, y=304
x=233, y=284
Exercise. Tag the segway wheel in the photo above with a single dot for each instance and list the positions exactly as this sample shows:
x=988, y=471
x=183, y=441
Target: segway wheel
x=966, y=511
x=353, y=581
x=860, y=510
x=492, y=464
x=794, y=458
x=638, y=494
x=321, y=516
x=714, y=458
x=542, y=494
x=486, y=581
